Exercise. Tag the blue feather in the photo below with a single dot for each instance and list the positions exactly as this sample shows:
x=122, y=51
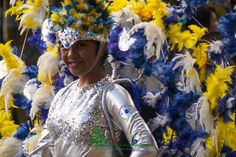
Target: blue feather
x=43, y=112
x=31, y=71
x=22, y=132
x=36, y=40
x=226, y=28
x=136, y=50
x=22, y=102
x=228, y=152
x=112, y=46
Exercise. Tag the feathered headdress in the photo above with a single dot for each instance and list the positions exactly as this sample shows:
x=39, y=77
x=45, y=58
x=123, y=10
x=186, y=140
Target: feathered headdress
x=81, y=20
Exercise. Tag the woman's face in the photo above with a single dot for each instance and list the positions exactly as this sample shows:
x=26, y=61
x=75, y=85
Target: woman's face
x=213, y=22
x=80, y=57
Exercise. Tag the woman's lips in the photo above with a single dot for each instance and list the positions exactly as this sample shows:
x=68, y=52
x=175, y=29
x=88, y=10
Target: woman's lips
x=74, y=64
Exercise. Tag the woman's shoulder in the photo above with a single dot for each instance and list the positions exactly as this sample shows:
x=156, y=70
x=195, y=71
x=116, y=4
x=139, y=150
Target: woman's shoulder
x=121, y=85
x=119, y=89
x=66, y=89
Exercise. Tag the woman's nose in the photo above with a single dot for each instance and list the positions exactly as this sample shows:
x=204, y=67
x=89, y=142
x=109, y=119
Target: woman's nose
x=72, y=53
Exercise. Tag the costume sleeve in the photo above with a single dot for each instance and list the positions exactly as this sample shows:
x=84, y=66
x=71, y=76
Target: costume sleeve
x=124, y=113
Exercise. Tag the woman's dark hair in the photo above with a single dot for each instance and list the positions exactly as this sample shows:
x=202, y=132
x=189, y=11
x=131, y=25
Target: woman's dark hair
x=204, y=14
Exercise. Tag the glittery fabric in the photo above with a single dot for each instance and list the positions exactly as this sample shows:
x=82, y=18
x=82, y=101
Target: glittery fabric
x=68, y=36
x=78, y=127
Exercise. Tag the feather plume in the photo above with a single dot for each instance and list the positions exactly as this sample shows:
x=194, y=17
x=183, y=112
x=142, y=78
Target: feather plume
x=216, y=54
x=126, y=17
x=155, y=39
x=189, y=80
x=12, y=2
x=198, y=32
x=158, y=10
x=206, y=119
x=14, y=9
x=7, y=125
x=117, y=5
x=217, y=84
x=198, y=149
x=48, y=65
x=152, y=99
x=11, y=60
x=42, y=98
x=158, y=121
x=33, y=15
x=13, y=83
x=3, y=69
x=30, y=88
x=216, y=47
x=11, y=147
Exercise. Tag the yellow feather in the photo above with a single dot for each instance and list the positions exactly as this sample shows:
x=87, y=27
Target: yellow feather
x=225, y=133
x=168, y=135
x=216, y=84
x=14, y=10
x=11, y=60
x=7, y=125
x=185, y=38
x=198, y=32
x=117, y=5
x=199, y=53
x=158, y=9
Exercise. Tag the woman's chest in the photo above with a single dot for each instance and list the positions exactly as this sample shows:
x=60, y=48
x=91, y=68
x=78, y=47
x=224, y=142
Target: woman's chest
x=79, y=118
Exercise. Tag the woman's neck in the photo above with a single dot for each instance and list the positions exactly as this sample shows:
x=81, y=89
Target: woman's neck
x=91, y=77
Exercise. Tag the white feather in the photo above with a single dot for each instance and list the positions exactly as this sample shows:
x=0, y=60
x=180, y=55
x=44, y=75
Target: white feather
x=206, y=120
x=125, y=41
x=126, y=17
x=47, y=28
x=42, y=97
x=191, y=83
x=3, y=69
x=186, y=61
x=198, y=149
x=155, y=39
x=37, y=14
x=11, y=147
x=13, y=83
x=48, y=65
x=216, y=47
x=12, y=2
x=158, y=121
x=30, y=88
x=152, y=99
x=187, y=82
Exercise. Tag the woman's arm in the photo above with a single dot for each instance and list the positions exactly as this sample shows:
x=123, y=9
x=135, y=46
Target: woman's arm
x=125, y=114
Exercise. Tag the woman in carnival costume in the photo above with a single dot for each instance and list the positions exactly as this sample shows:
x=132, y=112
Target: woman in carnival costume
x=149, y=36
x=93, y=103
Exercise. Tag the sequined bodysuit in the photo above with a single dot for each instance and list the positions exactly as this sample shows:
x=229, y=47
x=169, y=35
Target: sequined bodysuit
x=77, y=126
